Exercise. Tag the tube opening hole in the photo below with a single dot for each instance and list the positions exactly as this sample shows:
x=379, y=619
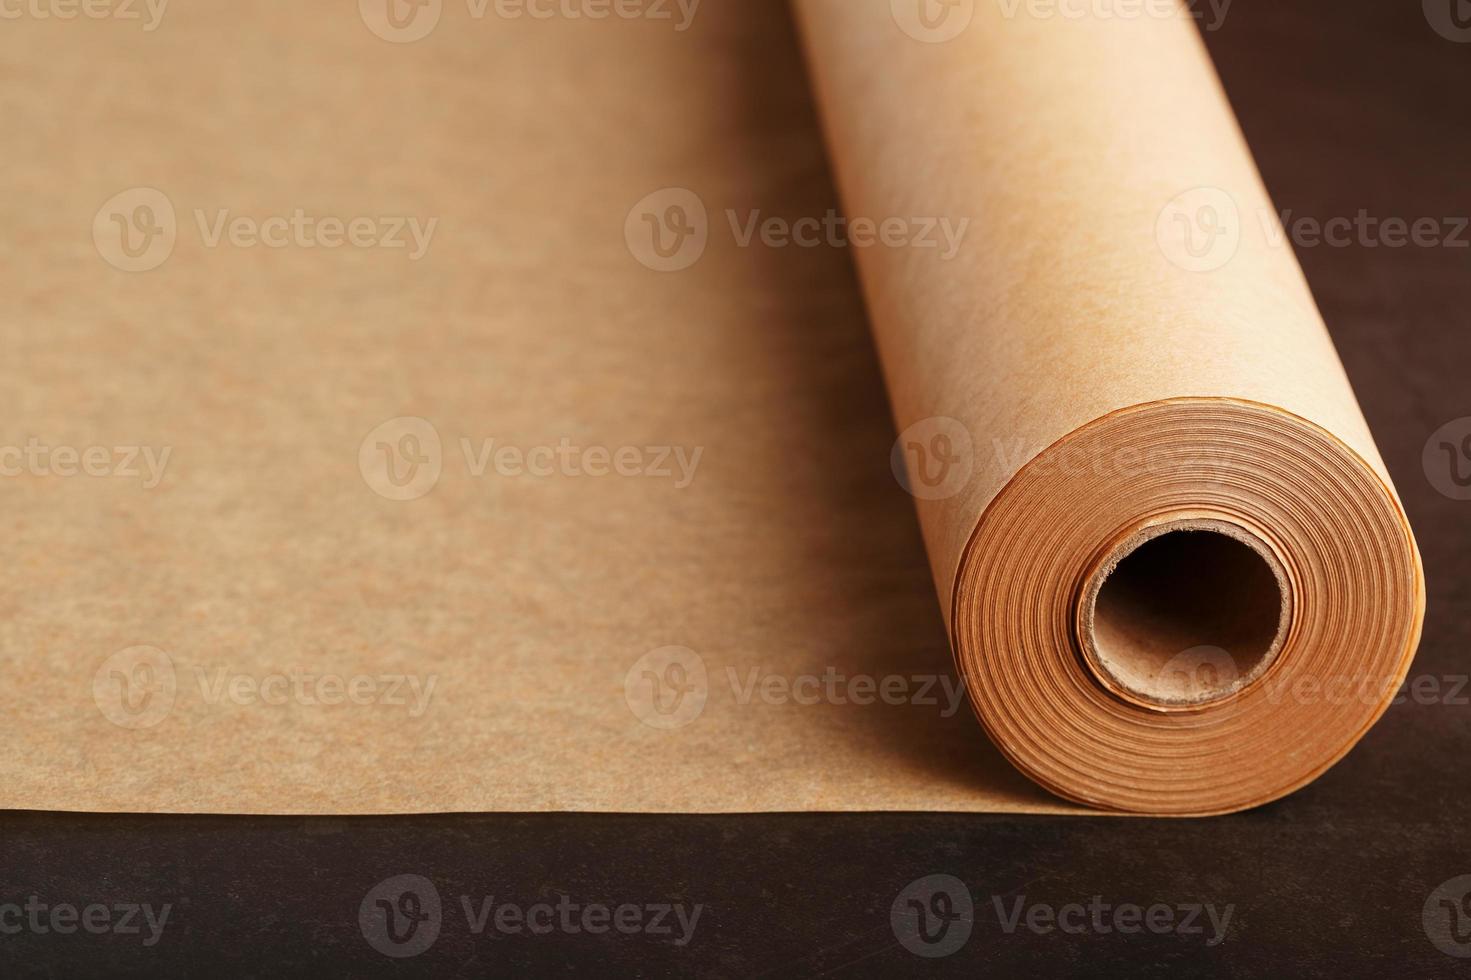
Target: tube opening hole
x=1189, y=613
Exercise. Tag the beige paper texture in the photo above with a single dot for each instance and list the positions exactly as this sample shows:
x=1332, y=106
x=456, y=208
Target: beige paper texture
x=408, y=412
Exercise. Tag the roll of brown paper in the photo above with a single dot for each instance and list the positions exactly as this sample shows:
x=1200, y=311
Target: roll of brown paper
x=1176, y=574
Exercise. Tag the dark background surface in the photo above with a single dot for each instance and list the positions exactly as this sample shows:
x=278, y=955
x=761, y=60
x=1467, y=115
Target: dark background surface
x=1348, y=106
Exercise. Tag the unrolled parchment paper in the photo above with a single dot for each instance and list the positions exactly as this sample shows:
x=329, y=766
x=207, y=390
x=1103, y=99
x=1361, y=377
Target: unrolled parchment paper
x=421, y=408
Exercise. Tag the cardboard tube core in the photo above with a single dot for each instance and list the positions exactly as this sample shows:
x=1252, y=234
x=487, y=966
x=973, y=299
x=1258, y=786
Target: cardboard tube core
x=1184, y=613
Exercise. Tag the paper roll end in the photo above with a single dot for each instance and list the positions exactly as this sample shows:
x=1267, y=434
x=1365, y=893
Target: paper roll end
x=1184, y=612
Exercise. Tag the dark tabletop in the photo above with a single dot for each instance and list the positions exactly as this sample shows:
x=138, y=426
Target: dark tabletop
x=1351, y=106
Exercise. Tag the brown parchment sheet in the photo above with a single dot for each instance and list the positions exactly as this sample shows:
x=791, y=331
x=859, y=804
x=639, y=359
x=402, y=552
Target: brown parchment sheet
x=409, y=410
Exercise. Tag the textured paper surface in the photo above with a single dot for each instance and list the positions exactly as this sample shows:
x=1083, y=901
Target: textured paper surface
x=498, y=641
x=263, y=551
